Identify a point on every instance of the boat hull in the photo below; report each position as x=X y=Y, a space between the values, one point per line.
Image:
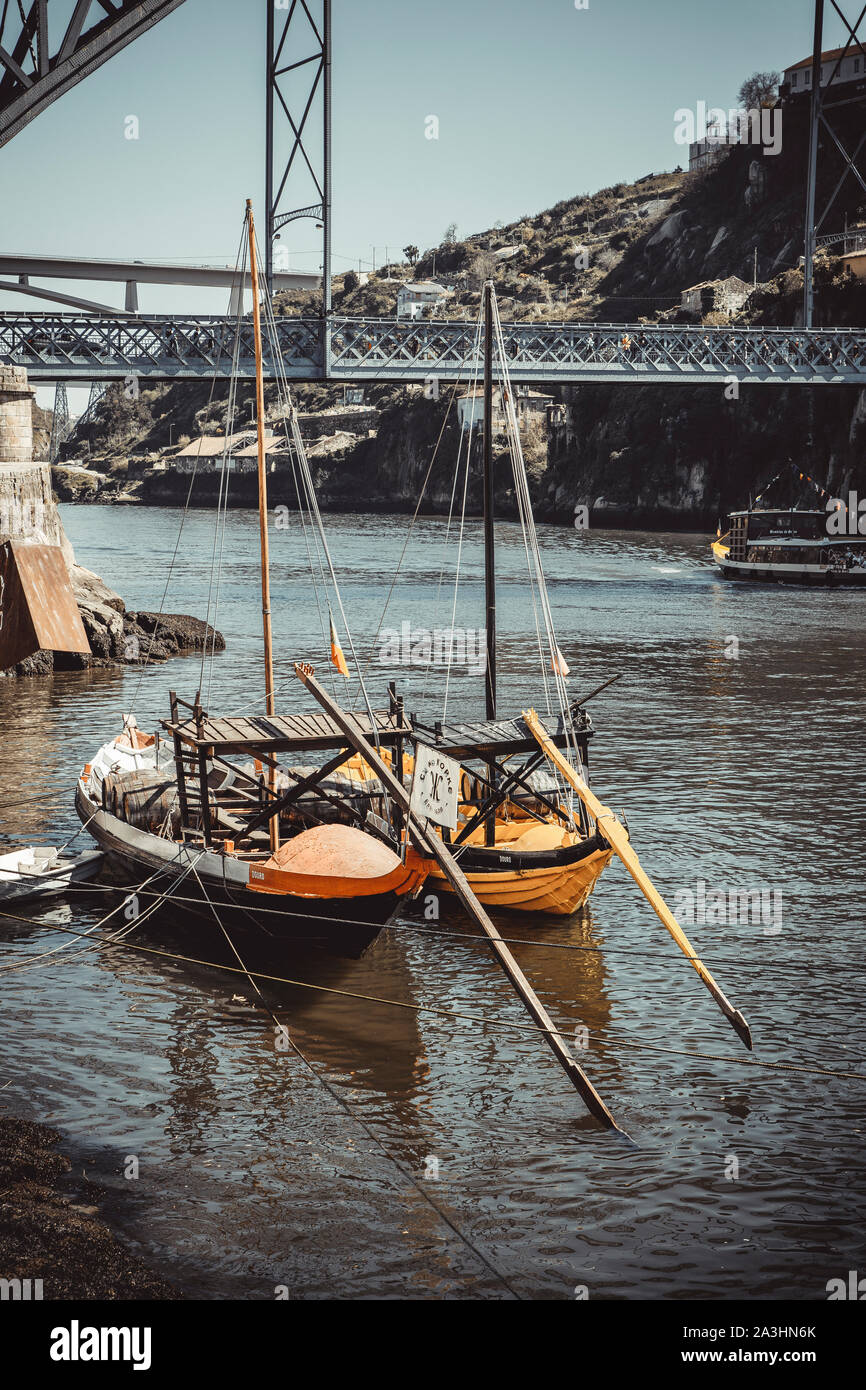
x=817 y=575
x=779 y=572
x=51 y=884
x=215 y=888
x=558 y=882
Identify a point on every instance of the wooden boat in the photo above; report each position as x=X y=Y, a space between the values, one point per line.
x=218 y=838
x=43 y=872
x=541 y=858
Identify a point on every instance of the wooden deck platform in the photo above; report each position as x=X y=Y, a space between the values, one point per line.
x=287 y=733
x=499 y=738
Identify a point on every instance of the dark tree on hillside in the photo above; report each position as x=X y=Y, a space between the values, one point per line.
x=759 y=88
x=484 y=267
x=411 y=253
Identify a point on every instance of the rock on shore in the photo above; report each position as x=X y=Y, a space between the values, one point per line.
x=118 y=636
x=46 y=1234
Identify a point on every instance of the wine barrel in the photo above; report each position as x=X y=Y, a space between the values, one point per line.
x=144 y=798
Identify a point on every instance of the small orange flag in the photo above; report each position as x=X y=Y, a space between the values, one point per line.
x=558 y=664
x=337 y=658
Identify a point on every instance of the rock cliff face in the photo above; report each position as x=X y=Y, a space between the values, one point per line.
x=681 y=458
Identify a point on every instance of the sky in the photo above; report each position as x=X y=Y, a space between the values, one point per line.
x=536 y=101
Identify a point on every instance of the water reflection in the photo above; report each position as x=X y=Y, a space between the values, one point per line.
x=737 y=772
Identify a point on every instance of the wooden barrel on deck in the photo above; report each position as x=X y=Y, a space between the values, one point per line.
x=146 y=799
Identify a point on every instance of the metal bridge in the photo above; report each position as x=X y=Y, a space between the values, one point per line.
x=70 y=347
x=39 y=63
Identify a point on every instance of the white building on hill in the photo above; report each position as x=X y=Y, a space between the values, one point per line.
x=415 y=295
x=852 y=68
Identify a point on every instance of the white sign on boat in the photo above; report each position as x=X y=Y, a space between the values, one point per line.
x=435 y=786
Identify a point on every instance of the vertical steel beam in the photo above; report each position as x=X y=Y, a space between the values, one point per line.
x=298 y=44
x=812 y=171
x=270 y=230
x=326 y=187
x=60 y=423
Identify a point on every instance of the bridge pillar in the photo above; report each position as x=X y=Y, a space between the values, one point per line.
x=16 y=416
x=131 y=304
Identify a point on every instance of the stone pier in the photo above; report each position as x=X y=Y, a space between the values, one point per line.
x=28 y=512
x=27 y=507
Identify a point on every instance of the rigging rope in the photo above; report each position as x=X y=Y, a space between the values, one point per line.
x=183 y=518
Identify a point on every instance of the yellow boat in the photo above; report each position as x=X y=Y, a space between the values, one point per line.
x=521 y=876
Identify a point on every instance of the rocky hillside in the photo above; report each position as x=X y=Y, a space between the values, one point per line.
x=636 y=455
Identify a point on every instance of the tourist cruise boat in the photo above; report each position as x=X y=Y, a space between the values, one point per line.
x=791 y=546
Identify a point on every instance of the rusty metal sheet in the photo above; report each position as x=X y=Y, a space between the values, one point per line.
x=38 y=611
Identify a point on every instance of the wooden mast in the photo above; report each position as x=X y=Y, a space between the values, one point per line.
x=263 y=505
x=489 y=552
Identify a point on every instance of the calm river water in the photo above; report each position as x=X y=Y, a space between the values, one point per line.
x=739 y=764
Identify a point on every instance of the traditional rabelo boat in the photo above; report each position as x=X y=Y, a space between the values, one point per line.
x=217 y=836
x=793 y=545
x=321 y=855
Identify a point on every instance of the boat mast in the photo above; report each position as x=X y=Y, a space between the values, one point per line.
x=263 y=500
x=489 y=555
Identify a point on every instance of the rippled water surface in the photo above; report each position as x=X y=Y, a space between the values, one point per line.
x=739 y=763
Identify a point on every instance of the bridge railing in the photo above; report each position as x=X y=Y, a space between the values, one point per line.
x=164 y=347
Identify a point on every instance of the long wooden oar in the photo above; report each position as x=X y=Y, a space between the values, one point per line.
x=617 y=837
x=432 y=845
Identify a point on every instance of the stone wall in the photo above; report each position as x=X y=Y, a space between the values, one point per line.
x=16 y=416
x=28 y=510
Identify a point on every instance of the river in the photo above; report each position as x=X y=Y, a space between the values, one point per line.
x=733 y=740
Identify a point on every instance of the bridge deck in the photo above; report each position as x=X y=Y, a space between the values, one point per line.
x=69 y=347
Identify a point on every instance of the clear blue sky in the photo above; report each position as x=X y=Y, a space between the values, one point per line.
x=536 y=101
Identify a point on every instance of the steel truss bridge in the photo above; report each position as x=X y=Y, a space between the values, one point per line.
x=79 y=347
x=40 y=61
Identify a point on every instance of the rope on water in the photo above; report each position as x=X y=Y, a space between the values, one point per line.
x=462 y=937
x=37 y=962
x=358 y=1120
x=569 y=1024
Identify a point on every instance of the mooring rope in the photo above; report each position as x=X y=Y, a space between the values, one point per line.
x=505 y=1026
x=350 y=1111
x=463 y=938
x=36 y=962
